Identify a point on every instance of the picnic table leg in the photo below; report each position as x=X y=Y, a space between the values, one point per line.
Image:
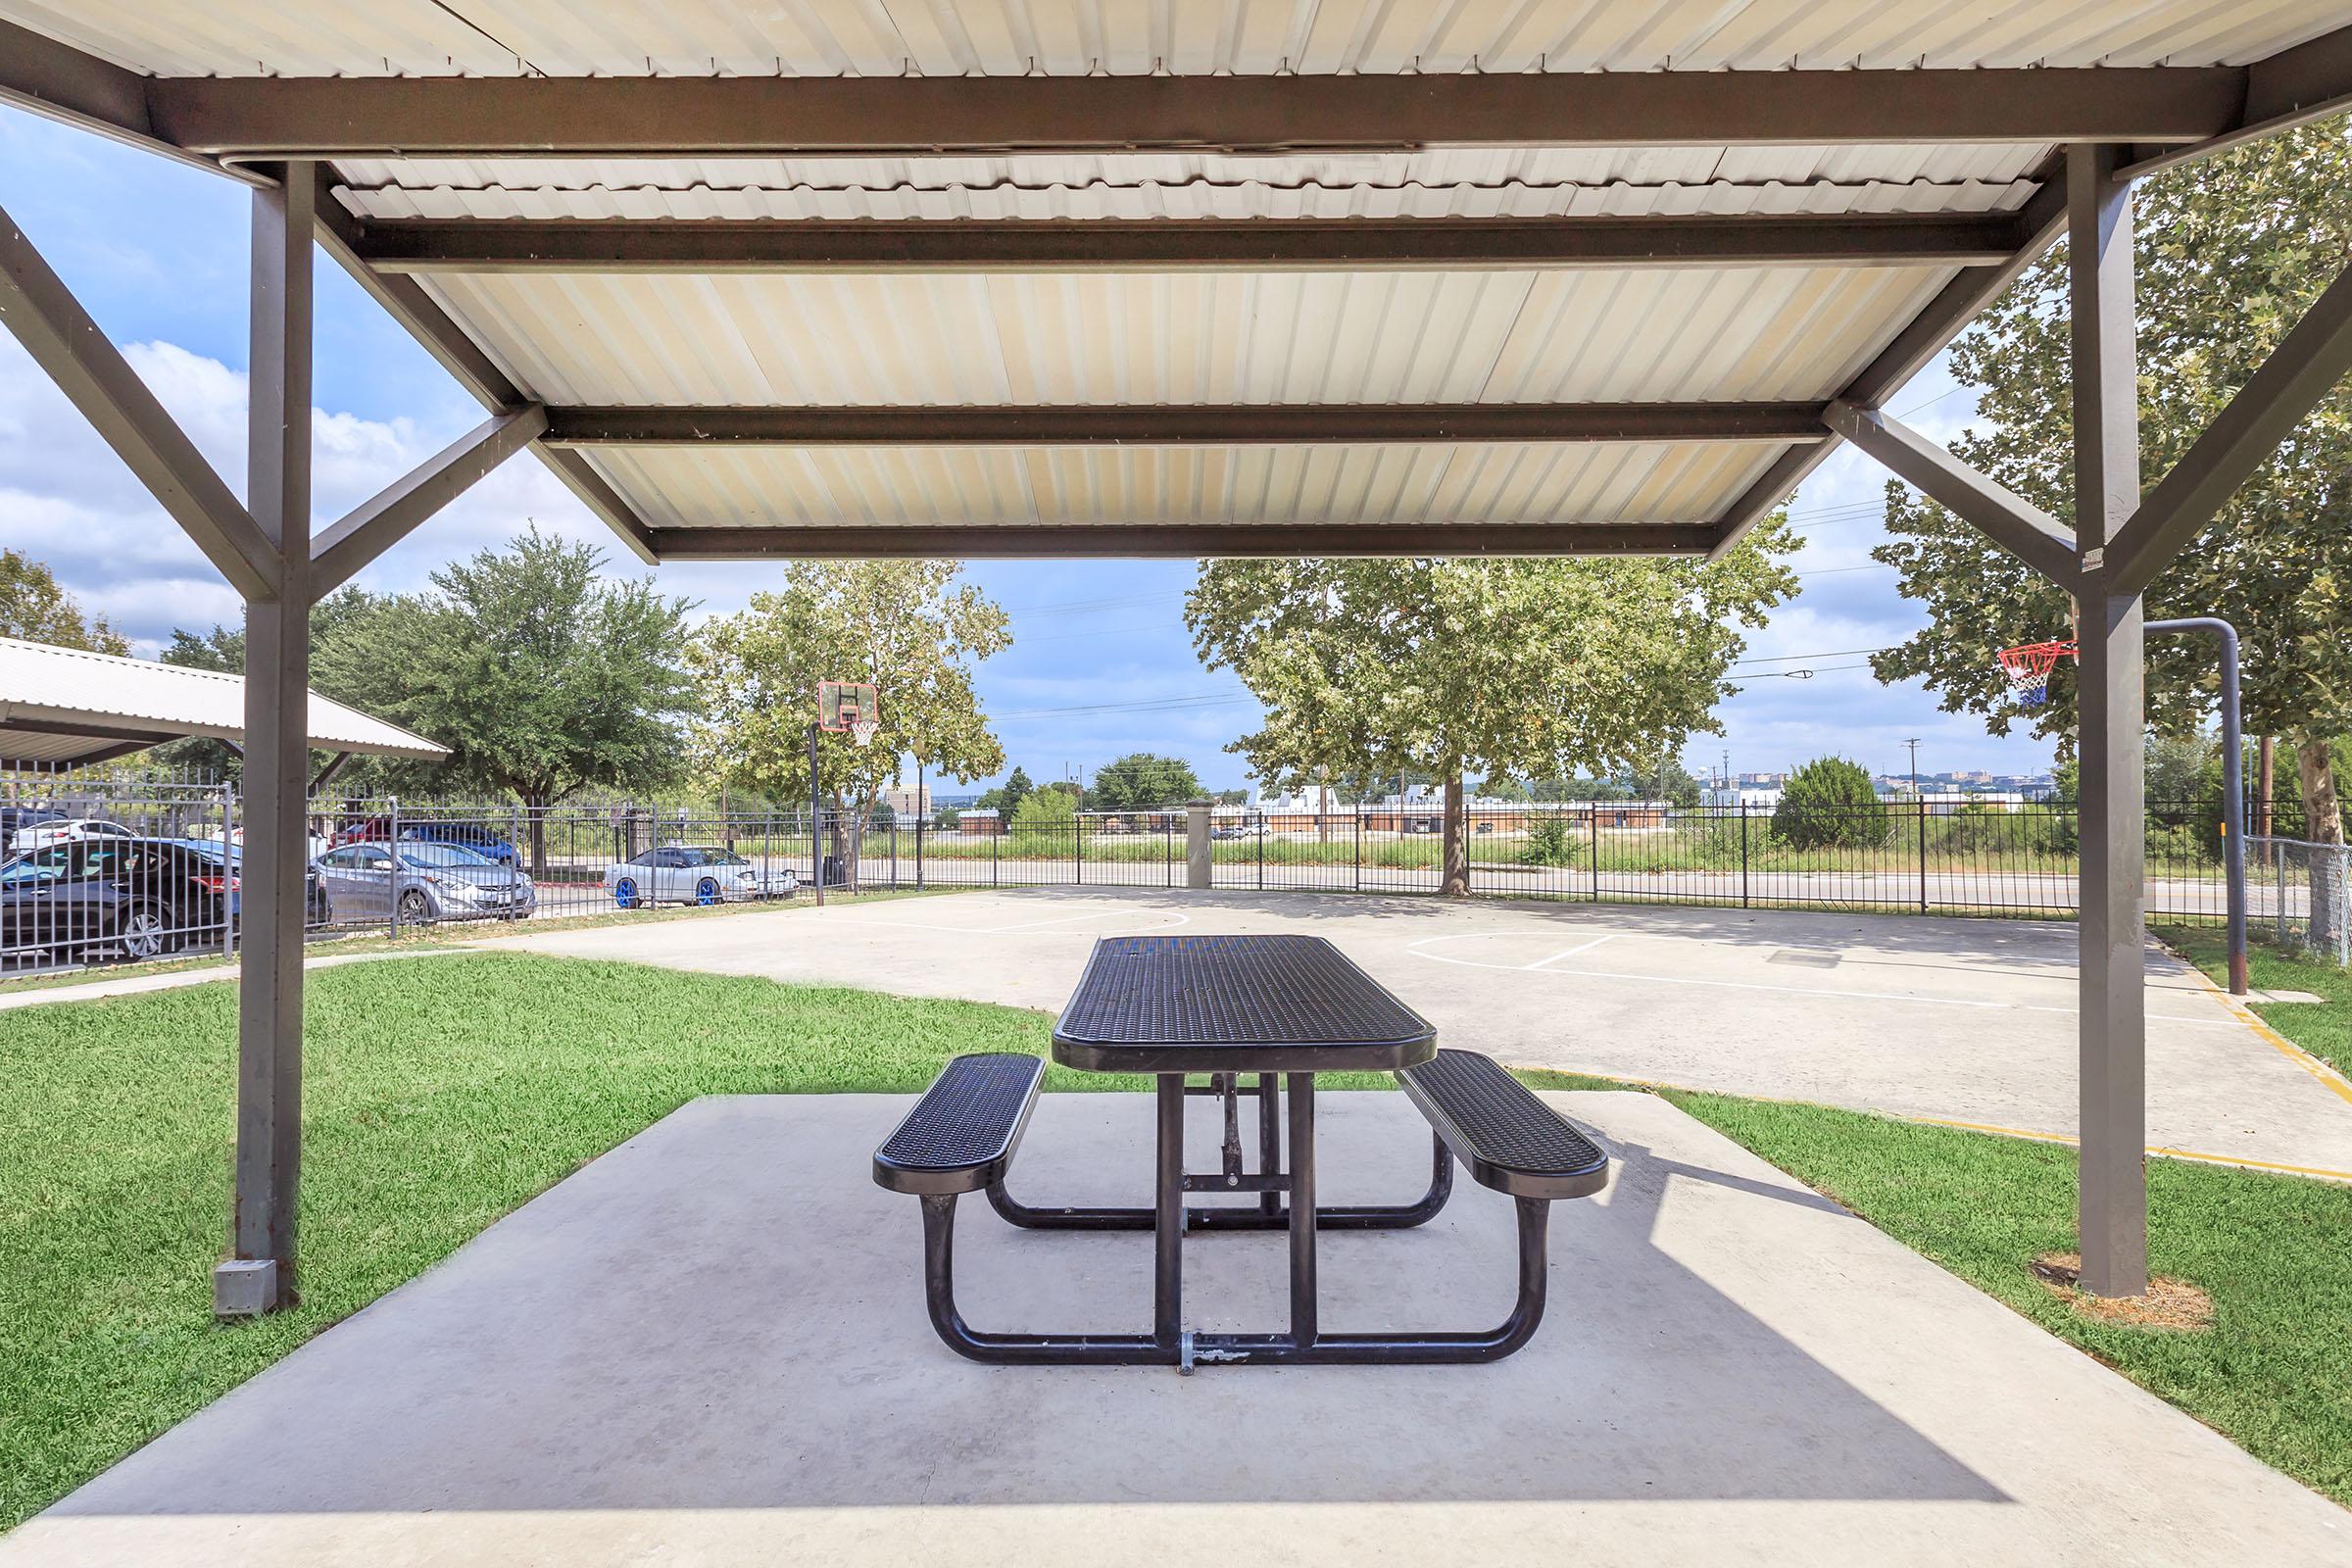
x=1302 y=1209
x=1269 y=1139
x=1167 y=1220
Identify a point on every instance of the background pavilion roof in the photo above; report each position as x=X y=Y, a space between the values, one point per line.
x=1033 y=277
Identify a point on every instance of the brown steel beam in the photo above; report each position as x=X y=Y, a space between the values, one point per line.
x=2111 y=719
x=61 y=82
x=389 y=117
x=1929 y=334
x=394 y=513
x=789 y=245
x=409 y=303
x=2290 y=88
x=2304 y=368
x=259 y=1274
x=1179 y=540
x=2013 y=523
x=37 y=306
x=1183 y=424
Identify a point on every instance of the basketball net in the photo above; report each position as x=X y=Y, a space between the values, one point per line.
x=863 y=730
x=2027 y=669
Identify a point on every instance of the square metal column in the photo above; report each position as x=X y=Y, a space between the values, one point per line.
x=259 y=1274
x=2113 y=1195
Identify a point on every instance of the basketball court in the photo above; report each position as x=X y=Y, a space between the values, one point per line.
x=1965 y=1021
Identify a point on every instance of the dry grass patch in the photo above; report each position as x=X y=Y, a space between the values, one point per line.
x=2173 y=1305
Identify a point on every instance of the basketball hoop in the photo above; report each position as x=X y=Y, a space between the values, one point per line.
x=849 y=708
x=2027 y=669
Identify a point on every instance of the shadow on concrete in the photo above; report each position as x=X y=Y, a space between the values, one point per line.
x=727 y=1314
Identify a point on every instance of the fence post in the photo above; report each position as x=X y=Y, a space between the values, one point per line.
x=515 y=865
x=233 y=868
x=392 y=821
x=1923 y=855
x=1593 y=827
x=1197 y=863
x=1359 y=846
x=996 y=843
x=1744 y=854
x=1078 y=838
x=922 y=820
x=1261 y=851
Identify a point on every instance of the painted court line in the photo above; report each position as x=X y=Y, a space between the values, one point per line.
x=1569 y=953
x=2277 y=1042
x=2169 y=1153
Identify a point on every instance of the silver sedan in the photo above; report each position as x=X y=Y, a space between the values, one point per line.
x=424 y=882
x=678 y=873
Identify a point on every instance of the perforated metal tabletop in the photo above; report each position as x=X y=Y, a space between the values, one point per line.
x=1234 y=1004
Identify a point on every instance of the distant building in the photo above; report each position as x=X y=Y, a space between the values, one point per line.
x=914 y=802
x=980 y=819
x=1751 y=797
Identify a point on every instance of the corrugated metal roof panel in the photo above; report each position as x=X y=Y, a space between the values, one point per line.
x=1539 y=482
x=1522 y=184
x=1587 y=335
x=1188 y=37
x=53 y=685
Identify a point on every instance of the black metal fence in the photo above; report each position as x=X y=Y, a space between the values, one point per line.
x=108 y=868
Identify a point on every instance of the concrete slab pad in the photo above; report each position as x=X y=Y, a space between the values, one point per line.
x=1969 y=1021
x=710 y=1348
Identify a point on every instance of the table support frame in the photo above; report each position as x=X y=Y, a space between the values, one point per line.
x=1169 y=1218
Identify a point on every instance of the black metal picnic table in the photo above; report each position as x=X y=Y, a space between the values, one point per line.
x=1281 y=1008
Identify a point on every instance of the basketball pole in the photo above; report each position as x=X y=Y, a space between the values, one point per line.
x=2233 y=784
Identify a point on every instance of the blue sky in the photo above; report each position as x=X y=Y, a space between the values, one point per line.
x=1100 y=663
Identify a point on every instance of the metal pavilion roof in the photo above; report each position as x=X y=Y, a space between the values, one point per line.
x=1138 y=276
x=62 y=706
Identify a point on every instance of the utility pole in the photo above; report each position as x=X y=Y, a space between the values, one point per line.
x=1913 y=743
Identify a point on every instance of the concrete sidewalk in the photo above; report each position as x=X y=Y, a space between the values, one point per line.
x=710 y=1348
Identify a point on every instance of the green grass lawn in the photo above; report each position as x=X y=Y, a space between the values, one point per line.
x=429 y=1114
x=2323 y=1029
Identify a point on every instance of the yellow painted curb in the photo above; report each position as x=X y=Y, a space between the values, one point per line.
x=2197 y=1156
x=2273 y=1038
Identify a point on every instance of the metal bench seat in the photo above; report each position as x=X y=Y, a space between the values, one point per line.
x=1503 y=1134
x=961 y=1136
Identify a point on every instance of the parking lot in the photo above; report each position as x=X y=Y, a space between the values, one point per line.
x=1969 y=1021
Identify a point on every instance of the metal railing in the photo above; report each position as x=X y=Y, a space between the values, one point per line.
x=380 y=864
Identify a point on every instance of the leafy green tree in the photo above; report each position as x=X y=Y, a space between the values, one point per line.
x=1231 y=798
x=908 y=626
x=1527 y=669
x=1046 y=810
x=34 y=606
x=540 y=675
x=1006 y=797
x=2234 y=248
x=1829 y=803
x=224 y=649
x=1143 y=781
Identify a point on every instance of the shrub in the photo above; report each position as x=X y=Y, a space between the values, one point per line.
x=1829 y=803
x=1547 y=843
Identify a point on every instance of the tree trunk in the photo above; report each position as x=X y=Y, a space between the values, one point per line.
x=1456 y=842
x=536 y=810
x=2266 y=781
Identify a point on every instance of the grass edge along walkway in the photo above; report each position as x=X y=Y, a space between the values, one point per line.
x=429 y=1115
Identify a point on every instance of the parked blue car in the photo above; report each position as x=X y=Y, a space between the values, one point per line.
x=473 y=835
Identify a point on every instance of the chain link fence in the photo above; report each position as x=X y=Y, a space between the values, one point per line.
x=2302 y=892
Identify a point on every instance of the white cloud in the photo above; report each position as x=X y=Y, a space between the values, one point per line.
x=66 y=500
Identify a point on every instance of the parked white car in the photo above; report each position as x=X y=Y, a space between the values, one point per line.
x=67 y=830
x=678 y=873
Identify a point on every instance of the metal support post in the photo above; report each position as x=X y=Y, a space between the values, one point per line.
x=2113 y=1021
x=816 y=839
x=259 y=1275
x=1922 y=803
x=2233 y=784
x=1304 y=1324
x=1167 y=1274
